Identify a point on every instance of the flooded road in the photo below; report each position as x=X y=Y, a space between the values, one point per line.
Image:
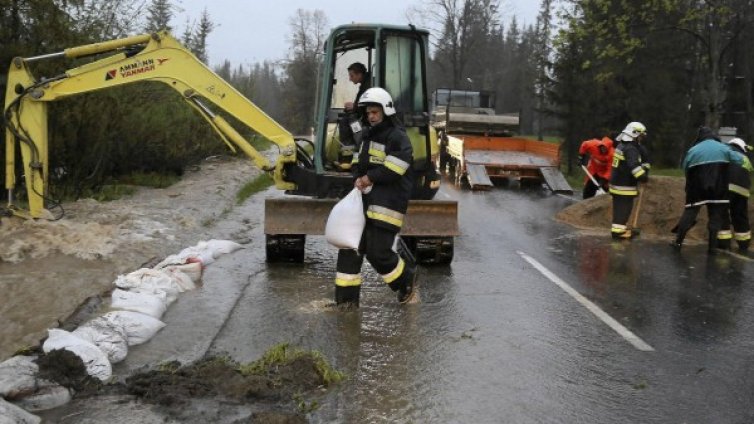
x=494 y=338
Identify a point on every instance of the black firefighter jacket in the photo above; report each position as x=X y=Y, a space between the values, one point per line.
x=386 y=157
x=629 y=167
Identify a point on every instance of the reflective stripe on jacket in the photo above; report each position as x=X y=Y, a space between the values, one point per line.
x=386 y=157
x=739 y=179
x=628 y=170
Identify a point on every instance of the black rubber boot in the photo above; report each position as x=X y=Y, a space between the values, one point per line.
x=405 y=285
x=743 y=245
x=347 y=297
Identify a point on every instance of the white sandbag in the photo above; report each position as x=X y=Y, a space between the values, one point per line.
x=12 y=414
x=222 y=247
x=139 y=327
x=346 y=222
x=193 y=270
x=49 y=395
x=18 y=376
x=151 y=304
x=109 y=337
x=181 y=279
x=96 y=362
x=191 y=254
x=146 y=280
x=204 y=251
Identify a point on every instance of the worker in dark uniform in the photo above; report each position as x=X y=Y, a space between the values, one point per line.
x=350 y=122
x=739 y=186
x=628 y=169
x=383 y=173
x=706 y=166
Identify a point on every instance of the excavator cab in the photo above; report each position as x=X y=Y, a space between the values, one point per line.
x=395 y=59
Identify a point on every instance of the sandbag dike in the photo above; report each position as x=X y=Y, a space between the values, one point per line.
x=281 y=387
x=661 y=206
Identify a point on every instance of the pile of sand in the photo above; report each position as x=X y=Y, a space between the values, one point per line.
x=660 y=208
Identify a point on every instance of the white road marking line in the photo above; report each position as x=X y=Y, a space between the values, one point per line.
x=607 y=319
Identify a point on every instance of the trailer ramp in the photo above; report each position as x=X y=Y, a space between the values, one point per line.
x=477 y=177
x=555 y=180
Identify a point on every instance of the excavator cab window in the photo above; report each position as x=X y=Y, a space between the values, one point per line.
x=395 y=59
x=356 y=46
x=404 y=80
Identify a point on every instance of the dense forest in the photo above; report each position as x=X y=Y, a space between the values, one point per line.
x=583 y=68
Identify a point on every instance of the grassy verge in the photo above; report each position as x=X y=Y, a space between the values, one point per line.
x=254 y=186
x=548 y=138
x=283 y=354
x=150 y=179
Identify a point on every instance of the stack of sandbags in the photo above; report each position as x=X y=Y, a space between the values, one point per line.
x=138 y=302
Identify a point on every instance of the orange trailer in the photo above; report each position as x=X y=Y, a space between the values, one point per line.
x=478 y=159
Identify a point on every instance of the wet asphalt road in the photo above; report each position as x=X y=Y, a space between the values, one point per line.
x=494 y=340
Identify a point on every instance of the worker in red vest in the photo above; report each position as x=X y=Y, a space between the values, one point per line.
x=597 y=156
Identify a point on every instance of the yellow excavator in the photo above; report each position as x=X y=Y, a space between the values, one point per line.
x=395 y=57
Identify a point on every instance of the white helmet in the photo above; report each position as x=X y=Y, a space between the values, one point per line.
x=633 y=130
x=377 y=95
x=740 y=143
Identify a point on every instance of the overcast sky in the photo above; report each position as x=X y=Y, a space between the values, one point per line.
x=257 y=30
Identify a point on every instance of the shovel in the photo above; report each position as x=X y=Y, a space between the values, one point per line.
x=594 y=181
x=634 y=230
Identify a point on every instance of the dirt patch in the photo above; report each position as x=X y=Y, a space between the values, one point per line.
x=661 y=206
x=67 y=369
x=281 y=387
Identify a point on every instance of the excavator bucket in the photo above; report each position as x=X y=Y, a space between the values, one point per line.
x=425 y=218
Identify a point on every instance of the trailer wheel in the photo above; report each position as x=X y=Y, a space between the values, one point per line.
x=285 y=247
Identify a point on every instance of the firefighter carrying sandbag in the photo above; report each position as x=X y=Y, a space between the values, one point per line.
x=383 y=172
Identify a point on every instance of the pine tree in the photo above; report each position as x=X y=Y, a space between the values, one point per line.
x=160 y=13
x=199 y=38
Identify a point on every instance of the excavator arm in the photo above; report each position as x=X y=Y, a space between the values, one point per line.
x=150 y=57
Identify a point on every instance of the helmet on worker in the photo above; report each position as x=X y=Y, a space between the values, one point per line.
x=378 y=96
x=632 y=131
x=740 y=143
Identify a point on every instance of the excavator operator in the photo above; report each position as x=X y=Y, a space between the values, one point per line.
x=597 y=156
x=350 y=121
x=382 y=171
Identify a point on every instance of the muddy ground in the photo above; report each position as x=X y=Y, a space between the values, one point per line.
x=281 y=387
x=659 y=209
x=58 y=274
x=48 y=270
